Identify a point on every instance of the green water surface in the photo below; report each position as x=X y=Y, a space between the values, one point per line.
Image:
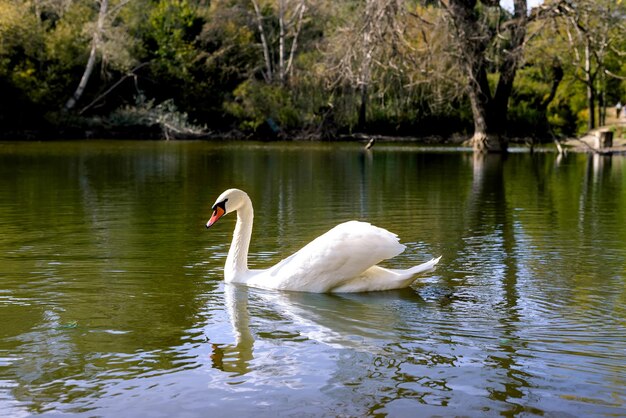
x=112 y=302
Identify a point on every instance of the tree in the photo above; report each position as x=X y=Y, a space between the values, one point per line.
x=593 y=30
x=107 y=41
x=290 y=19
x=369 y=43
x=487 y=39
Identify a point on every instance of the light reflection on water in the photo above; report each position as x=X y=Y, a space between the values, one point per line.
x=112 y=300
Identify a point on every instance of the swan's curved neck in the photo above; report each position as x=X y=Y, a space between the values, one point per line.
x=237 y=260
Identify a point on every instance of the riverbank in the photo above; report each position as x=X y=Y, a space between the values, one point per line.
x=588 y=143
x=593 y=141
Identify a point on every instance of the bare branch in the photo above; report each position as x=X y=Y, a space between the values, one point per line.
x=612 y=74
x=294 y=44
x=131 y=73
x=266 y=52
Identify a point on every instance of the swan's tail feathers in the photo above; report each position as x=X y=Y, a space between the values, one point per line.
x=380 y=278
x=429 y=265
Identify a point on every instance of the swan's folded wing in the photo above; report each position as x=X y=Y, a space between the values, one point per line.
x=331 y=259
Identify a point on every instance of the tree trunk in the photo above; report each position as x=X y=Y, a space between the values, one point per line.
x=266 y=49
x=279 y=66
x=294 y=43
x=363 y=108
x=485 y=138
x=489 y=111
x=91 y=62
x=365 y=75
x=591 y=94
x=557 y=77
x=281 y=41
x=488 y=134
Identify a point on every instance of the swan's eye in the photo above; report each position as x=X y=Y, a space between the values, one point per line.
x=221 y=205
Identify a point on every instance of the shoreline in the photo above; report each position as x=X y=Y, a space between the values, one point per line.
x=591 y=141
x=587 y=143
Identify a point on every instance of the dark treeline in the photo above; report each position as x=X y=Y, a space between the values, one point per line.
x=315 y=69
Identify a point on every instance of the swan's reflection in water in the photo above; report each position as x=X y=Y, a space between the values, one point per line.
x=235 y=357
x=361 y=353
x=359 y=322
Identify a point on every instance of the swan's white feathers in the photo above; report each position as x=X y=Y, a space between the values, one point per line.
x=379 y=278
x=330 y=260
x=341 y=260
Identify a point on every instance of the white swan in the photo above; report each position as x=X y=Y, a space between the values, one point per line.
x=342 y=260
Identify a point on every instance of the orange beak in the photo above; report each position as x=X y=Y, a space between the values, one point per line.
x=218 y=212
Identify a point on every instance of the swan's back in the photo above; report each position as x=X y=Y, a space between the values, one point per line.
x=332 y=259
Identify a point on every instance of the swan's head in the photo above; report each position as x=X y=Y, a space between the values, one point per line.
x=227 y=202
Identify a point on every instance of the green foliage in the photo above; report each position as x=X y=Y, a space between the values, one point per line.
x=172 y=27
x=21 y=43
x=528 y=114
x=526 y=120
x=561 y=119
x=20 y=32
x=255 y=102
x=68 y=40
x=206 y=57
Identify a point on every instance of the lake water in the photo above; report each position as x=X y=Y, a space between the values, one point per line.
x=112 y=301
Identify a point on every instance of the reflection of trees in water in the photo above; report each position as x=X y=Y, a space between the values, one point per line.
x=105 y=257
x=329 y=185
x=491 y=217
x=67 y=365
x=517 y=258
